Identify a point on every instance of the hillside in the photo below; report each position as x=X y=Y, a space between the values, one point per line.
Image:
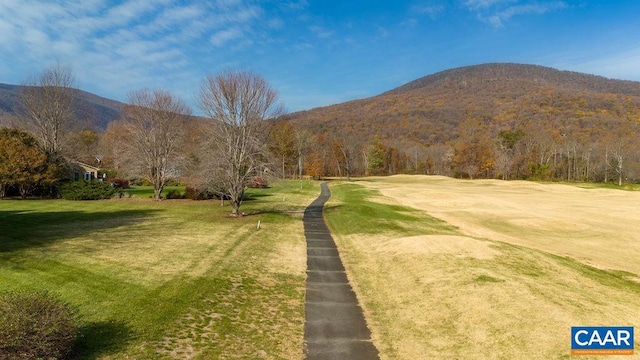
x=492 y=120
x=430 y=109
x=94 y=110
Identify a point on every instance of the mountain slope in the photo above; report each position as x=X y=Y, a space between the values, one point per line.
x=504 y=73
x=500 y=96
x=96 y=112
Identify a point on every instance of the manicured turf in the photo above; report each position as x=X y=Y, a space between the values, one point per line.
x=170 y=279
x=432 y=291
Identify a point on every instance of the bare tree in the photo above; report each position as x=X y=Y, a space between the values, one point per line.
x=237 y=103
x=621 y=145
x=47 y=106
x=281 y=142
x=346 y=148
x=303 y=143
x=154 y=121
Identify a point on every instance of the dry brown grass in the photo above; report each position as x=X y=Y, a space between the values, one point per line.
x=511 y=285
x=560 y=219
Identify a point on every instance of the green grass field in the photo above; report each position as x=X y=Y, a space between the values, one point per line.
x=170 y=279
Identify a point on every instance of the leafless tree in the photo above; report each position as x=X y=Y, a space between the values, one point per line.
x=47 y=107
x=154 y=121
x=346 y=148
x=303 y=143
x=237 y=103
x=621 y=145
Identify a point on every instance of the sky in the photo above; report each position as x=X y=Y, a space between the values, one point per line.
x=313 y=52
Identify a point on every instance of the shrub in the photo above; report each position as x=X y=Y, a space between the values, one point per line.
x=259 y=183
x=174 y=194
x=197 y=194
x=35 y=325
x=119 y=183
x=86 y=190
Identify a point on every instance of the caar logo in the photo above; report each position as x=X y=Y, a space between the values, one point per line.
x=602 y=340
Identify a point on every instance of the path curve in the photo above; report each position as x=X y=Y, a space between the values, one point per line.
x=334 y=323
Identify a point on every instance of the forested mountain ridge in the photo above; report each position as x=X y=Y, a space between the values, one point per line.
x=436 y=124
x=428 y=110
x=569 y=80
x=94 y=111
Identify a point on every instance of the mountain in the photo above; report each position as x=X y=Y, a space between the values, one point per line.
x=95 y=111
x=430 y=110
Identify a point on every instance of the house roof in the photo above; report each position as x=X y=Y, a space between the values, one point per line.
x=86 y=166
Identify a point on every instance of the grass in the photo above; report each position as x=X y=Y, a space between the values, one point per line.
x=170 y=279
x=144 y=192
x=611 y=185
x=430 y=290
x=351 y=212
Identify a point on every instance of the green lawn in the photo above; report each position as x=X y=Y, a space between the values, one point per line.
x=170 y=279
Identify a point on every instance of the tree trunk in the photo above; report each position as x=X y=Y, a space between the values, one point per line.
x=157 y=193
x=620 y=172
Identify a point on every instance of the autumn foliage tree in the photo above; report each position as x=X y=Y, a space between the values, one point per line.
x=23 y=163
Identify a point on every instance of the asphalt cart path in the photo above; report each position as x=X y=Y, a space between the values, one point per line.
x=334 y=323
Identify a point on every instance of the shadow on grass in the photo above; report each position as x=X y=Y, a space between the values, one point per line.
x=25 y=229
x=100 y=338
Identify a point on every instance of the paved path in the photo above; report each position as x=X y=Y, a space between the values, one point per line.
x=334 y=324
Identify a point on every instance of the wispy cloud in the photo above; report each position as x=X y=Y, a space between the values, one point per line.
x=499 y=12
x=222 y=37
x=113 y=45
x=321 y=32
x=432 y=11
x=484 y=4
x=621 y=64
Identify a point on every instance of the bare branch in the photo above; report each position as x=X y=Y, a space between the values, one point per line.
x=237 y=103
x=47 y=107
x=155 y=122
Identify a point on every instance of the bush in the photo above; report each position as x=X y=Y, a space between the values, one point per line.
x=86 y=190
x=174 y=194
x=119 y=183
x=259 y=183
x=35 y=325
x=197 y=194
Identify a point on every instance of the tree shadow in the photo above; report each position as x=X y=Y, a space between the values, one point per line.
x=25 y=229
x=254 y=196
x=101 y=338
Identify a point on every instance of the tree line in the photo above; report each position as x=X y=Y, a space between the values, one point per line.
x=550 y=151
x=244 y=135
x=155 y=139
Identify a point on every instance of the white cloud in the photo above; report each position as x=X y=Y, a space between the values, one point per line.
x=321 y=32
x=118 y=46
x=500 y=17
x=483 y=4
x=618 y=65
x=431 y=11
x=498 y=12
x=222 y=37
x=276 y=23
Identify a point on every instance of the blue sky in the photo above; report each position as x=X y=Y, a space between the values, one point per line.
x=314 y=52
